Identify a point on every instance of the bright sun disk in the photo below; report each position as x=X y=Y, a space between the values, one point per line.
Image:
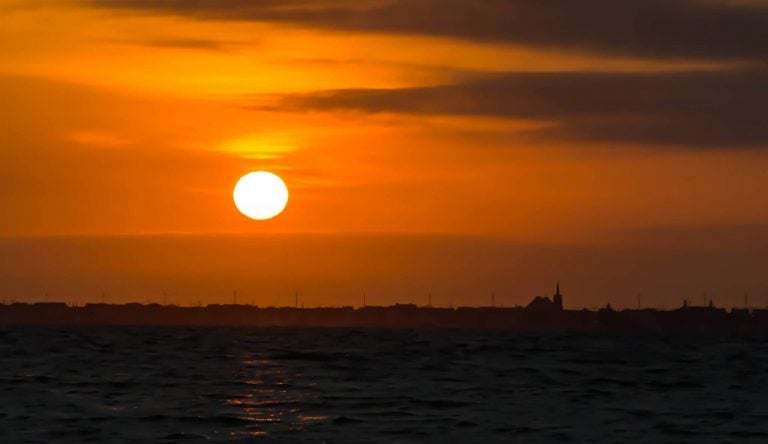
x=260 y=195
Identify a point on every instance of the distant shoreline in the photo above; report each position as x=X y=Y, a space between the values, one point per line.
x=686 y=318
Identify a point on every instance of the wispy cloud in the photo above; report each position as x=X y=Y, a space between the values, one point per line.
x=189 y=43
x=96 y=138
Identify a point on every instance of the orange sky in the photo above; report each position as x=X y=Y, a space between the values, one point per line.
x=137 y=118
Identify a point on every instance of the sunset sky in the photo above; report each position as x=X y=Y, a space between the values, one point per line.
x=457 y=147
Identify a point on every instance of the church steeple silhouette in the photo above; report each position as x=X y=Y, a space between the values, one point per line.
x=557 y=299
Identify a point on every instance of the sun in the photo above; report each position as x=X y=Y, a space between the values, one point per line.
x=260 y=195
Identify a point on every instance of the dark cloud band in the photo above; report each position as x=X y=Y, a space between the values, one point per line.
x=686 y=29
x=701 y=108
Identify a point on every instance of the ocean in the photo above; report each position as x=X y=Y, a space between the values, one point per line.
x=357 y=386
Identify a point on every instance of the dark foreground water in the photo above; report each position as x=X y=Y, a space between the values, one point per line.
x=315 y=385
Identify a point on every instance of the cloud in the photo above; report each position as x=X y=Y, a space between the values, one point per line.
x=184 y=43
x=700 y=108
x=97 y=139
x=687 y=29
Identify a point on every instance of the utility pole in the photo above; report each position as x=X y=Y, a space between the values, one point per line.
x=364 y=299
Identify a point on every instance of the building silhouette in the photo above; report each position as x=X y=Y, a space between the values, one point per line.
x=557 y=299
x=543 y=304
x=541 y=314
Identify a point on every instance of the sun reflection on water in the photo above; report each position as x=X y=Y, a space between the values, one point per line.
x=272 y=399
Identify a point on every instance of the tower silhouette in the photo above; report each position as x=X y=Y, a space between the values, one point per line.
x=557 y=299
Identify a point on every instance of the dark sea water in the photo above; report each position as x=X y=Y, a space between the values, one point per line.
x=325 y=385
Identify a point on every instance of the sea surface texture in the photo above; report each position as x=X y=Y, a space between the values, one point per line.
x=326 y=385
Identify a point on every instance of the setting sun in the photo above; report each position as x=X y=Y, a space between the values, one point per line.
x=450 y=164
x=260 y=195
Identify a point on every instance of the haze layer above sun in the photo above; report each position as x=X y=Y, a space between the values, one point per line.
x=260 y=195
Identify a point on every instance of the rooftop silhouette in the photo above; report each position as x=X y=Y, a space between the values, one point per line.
x=541 y=314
